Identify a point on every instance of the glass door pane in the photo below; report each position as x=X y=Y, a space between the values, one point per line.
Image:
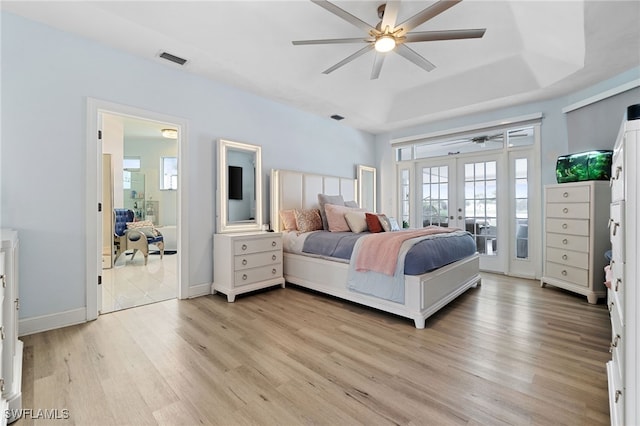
x=435 y=195
x=480 y=198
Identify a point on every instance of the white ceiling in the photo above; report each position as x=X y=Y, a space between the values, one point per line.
x=532 y=50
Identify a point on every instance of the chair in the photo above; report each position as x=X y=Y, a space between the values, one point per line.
x=136 y=239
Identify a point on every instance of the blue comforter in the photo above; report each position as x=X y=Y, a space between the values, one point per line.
x=427 y=255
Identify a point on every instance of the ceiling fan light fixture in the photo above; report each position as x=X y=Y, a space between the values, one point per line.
x=385 y=43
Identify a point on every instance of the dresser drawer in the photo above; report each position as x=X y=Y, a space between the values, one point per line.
x=568 y=242
x=617 y=174
x=250 y=276
x=568 y=194
x=254 y=260
x=256 y=245
x=568 y=210
x=573 y=275
x=618 y=286
x=567 y=257
x=568 y=226
x=617 y=228
x=616 y=347
x=616 y=395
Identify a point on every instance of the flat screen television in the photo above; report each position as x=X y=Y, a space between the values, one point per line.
x=235 y=183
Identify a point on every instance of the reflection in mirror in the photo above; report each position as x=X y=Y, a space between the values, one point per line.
x=239 y=186
x=367 y=188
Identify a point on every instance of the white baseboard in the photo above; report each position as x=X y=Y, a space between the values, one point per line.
x=34 y=325
x=199 y=290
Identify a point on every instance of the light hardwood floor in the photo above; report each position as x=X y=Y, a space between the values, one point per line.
x=507 y=352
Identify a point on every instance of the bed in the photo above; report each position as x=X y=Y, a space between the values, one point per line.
x=420 y=295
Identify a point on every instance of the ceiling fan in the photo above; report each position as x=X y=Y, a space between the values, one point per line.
x=483 y=139
x=389 y=36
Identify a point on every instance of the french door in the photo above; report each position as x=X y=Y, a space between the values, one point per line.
x=468 y=193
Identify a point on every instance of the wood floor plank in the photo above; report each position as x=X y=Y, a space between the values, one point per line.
x=507 y=352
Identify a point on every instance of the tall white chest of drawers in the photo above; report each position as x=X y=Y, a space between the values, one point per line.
x=576 y=219
x=244 y=262
x=11 y=345
x=623 y=295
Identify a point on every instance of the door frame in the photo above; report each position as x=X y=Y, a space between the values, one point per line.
x=93 y=176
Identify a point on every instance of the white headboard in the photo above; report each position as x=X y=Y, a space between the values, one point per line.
x=298 y=190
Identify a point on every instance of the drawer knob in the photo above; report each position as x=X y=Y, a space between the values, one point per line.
x=274 y=257
x=2 y=336
x=565 y=194
x=565 y=226
x=618 y=393
x=273 y=244
x=610 y=306
x=244 y=247
x=273 y=271
x=565 y=257
x=244 y=277
x=565 y=241
x=564 y=272
x=618 y=171
x=618 y=282
x=244 y=261
x=565 y=210
x=615 y=228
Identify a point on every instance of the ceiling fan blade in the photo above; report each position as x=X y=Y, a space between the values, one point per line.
x=414 y=57
x=343 y=14
x=334 y=41
x=426 y=14
x=348 y=59
x=444 y=35
x=390 y=15
x=377 y=65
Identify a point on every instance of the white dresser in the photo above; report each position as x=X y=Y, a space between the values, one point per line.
x=11 y=346
x=575 y=238
x=623 y=296
x=244 y=262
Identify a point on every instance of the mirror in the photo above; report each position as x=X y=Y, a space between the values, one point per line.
x=239 y=201
x=367 y=188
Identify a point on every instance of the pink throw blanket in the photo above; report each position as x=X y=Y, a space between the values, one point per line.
x=379 y=252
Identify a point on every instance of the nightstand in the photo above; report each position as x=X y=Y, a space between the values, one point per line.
x=244 y=262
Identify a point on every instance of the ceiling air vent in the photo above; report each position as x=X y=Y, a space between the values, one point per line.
x=337 y=117
x=173 y=58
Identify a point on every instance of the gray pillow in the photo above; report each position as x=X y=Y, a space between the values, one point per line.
x=328 y=199
x=351 y=204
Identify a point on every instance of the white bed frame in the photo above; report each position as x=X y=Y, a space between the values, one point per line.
x=424 y=294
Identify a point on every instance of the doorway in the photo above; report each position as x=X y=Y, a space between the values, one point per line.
x=139 y=176
x=97 y=110
x=464 y=193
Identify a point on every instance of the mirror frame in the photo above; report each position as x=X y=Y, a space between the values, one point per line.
x=222 y=222
x=361 y=171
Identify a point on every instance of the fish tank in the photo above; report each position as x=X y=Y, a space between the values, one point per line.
x=589 y=165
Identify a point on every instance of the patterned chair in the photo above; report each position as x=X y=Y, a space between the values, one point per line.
x=136 y=239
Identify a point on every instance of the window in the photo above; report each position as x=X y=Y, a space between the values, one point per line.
x=169 y=173
x=131 y=163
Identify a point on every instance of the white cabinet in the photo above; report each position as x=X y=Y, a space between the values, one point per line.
x=244 y=262
x=11 y=346
x=623 y=295
x=576 y=218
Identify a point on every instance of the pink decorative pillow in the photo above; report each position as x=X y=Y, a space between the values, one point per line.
x=288 y=220
x=308 y=220
x=335 y=217
x=373 y=222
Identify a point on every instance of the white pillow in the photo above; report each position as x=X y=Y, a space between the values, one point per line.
x=357 y=221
